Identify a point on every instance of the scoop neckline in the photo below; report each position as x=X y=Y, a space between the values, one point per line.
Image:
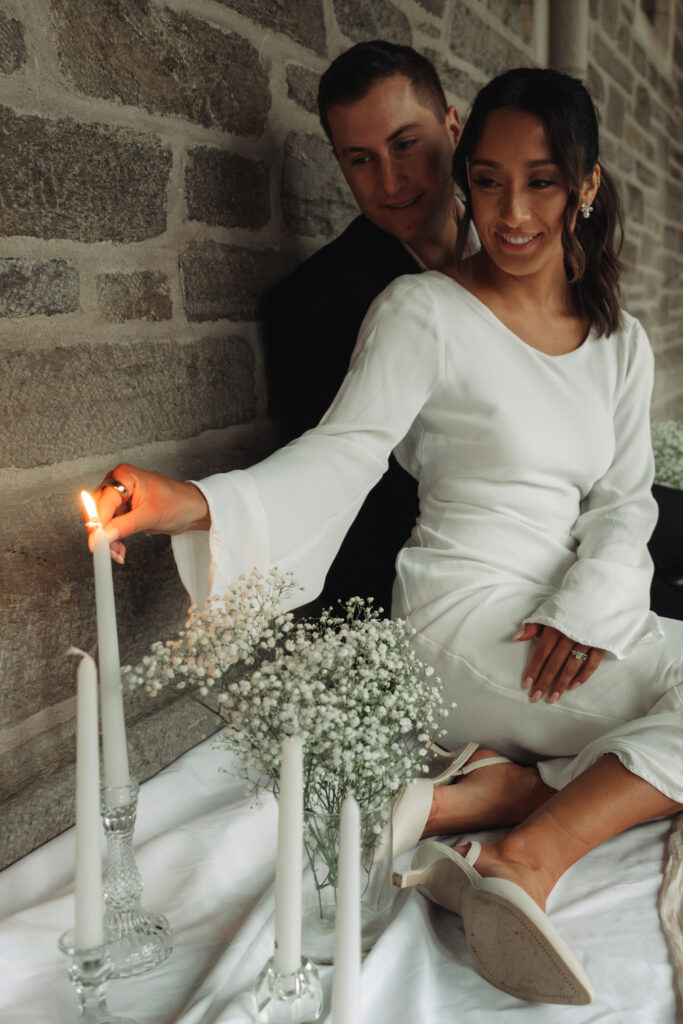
x=488 y=312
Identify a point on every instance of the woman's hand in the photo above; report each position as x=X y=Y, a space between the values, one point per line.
x=557 y=663
x=151 y=503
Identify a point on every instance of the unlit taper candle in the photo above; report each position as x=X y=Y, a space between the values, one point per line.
x=88 y=926
x=287 y=958
x=114 y=748
x=347 y=936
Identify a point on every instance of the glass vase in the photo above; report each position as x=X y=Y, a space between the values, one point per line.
x=319 y=893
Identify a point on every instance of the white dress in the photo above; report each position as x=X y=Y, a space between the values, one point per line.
x=535 y=506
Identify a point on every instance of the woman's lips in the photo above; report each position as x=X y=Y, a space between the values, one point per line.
x=517 y=243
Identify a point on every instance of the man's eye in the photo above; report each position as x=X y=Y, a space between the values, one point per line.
x=405 y=143
x=357 y=161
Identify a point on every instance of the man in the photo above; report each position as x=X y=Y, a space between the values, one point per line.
x=393 y=133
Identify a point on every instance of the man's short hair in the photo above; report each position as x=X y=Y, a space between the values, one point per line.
x=355 y=72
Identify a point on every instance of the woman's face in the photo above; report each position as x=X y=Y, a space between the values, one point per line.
x=519 y=195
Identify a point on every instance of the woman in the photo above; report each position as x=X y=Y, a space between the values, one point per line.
x=517 y=392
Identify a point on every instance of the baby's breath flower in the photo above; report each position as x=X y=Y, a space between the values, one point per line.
x=348 y=682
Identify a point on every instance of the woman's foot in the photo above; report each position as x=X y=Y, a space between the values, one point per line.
x=505 y=859
x=491 y=797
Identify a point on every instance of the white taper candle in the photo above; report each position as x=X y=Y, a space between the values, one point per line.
x=347 y=936
x=114 y=747
x=289 y=865
x=88 y=929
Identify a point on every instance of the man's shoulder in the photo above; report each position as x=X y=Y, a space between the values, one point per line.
x=360 y=249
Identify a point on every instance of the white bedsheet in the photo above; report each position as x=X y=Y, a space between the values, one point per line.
x=207 y=861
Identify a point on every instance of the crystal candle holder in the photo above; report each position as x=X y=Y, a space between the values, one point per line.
x=140 y=939
x=89 y=972
x=295 y=998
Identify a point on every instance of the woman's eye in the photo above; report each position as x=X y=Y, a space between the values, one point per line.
x=485 y=182
x=541 y=183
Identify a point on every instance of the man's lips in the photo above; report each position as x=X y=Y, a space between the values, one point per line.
x=404 y=204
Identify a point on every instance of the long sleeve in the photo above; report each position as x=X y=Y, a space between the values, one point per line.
x=293 y=509
x=604 y=598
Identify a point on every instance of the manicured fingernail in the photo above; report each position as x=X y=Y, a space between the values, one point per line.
x=574 y=686
x=117 y=557
x=528 y=683
x=519 y=635
x=553 y=697
x=111 y=533
x=536 y=696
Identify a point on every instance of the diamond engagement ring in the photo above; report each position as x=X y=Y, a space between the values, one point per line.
x=109 y=481
x=579 y=655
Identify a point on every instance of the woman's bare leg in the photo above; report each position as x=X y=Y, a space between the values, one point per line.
x=491 y=797
x=605 y=800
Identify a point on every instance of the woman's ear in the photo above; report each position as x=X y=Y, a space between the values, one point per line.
x=590 y=187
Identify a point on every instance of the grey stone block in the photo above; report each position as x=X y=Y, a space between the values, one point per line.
x=148 y=56
x=372 y=19
x=28 y=287
x=454 y=80
x=302 y=86
x=315 y=196
x=612 y=64
x=40 y=811
x=616 y=110
x=139 y=295
x=476 y=42
x=300 y=20
x=62 y=179
x=227 y=282
x=433 y=6
x=516 y=15
x=635 y=206
x=596 y=86
x=82 y=399
x=12 y=49
x=227 y=189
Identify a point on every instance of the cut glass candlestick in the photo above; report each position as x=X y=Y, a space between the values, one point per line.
x=89 y=972
x=140 y=939
x=295 y=998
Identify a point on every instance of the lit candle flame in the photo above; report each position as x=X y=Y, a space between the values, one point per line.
x=90 y=508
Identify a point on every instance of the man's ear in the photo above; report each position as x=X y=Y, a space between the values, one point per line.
x=453 y=124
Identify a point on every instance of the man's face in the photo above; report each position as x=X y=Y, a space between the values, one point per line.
x=396 y=153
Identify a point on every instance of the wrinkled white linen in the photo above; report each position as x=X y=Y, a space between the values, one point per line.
x=207 y=859
x=535 y=476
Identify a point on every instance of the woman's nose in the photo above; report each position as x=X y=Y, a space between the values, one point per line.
x=513 y=209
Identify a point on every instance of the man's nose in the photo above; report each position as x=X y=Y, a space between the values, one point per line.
x=392 y=177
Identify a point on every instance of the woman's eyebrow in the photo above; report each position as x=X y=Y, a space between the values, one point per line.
x=543 y=162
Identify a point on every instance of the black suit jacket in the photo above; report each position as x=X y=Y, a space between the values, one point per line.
x=311 y=323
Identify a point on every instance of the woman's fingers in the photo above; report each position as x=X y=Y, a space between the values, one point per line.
x=131 y=500
x=557 y=664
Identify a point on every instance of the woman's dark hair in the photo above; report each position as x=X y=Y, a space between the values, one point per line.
x=353 y=74
x=591 y=248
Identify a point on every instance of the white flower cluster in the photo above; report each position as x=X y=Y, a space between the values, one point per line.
x=349 y=685
x=667 y=443
x=239 y=627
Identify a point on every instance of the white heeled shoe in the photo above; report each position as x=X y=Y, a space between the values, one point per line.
x=514 y=945
x=412 y=806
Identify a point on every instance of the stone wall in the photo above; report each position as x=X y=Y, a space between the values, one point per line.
x=161 y=164
x=635 y=72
